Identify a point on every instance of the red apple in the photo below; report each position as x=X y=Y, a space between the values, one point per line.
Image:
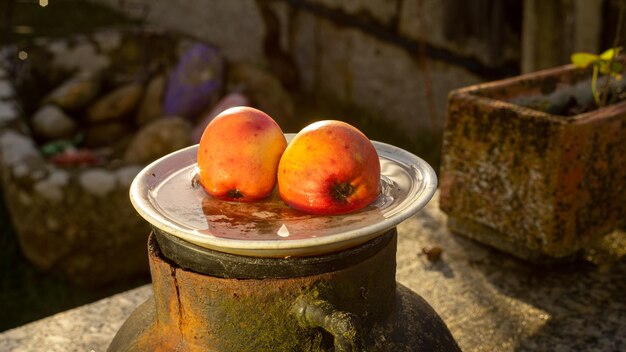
x=239 y=153
x=330 y=167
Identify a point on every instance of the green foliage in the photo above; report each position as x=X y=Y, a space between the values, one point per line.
x=603 y=64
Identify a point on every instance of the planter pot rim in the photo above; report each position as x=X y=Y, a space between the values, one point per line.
x=481 y=93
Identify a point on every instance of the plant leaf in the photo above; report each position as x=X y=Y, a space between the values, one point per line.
x=583 y=60
x=610 y=53
x=603 y=67
x=616 y=68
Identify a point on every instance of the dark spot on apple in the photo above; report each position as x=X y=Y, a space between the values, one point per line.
x=341 y=191
x=234 y=194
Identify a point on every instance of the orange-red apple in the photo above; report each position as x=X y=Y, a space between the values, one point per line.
x=239 y=153
x=330 y=167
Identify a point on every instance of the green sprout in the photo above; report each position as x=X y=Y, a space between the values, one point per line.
x=603 y=64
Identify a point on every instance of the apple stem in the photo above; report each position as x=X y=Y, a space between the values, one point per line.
x=341 y=191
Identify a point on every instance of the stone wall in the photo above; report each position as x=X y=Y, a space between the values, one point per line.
x=68 y=156
x=395 y=59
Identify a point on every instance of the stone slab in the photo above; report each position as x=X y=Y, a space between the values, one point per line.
x=490 y=301
x=87 y=328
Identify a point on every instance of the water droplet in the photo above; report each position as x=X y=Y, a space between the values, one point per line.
x=283 y=231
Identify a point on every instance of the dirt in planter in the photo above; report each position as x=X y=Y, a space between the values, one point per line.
x=573 y=108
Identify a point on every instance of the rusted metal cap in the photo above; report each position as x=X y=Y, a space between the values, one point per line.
x=165 y=194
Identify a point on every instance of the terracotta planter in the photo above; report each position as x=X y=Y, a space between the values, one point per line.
x=520 y=176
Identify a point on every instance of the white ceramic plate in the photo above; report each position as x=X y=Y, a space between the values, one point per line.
x=164 y=194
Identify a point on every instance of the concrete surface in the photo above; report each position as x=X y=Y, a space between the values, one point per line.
x=490 y=301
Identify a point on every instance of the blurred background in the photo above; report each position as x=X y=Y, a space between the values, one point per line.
x=385 y=66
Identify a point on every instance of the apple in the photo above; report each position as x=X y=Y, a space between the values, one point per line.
x=330 y=167
x=238 y=155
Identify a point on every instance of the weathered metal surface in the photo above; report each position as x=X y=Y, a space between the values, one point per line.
x=360 y=305
x=210 y=262
x=532 y=183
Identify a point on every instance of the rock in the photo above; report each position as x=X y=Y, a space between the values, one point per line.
x=104 y=134
x=117 y=104
x=50 y=122
x=157 y=139
x=98 y=182
x=196 y=82
x=32 y=168
x=6 y=89
x=152 y=101
x=76 y=92
x=8 y=112
x=126 y=174
x=108 y=40
x=228 y=101
x=59 y=178
x=51 y=188
x=82 y=55
x=15 y=148
x=265 y=90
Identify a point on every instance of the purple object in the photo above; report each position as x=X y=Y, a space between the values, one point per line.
x=195 y=83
